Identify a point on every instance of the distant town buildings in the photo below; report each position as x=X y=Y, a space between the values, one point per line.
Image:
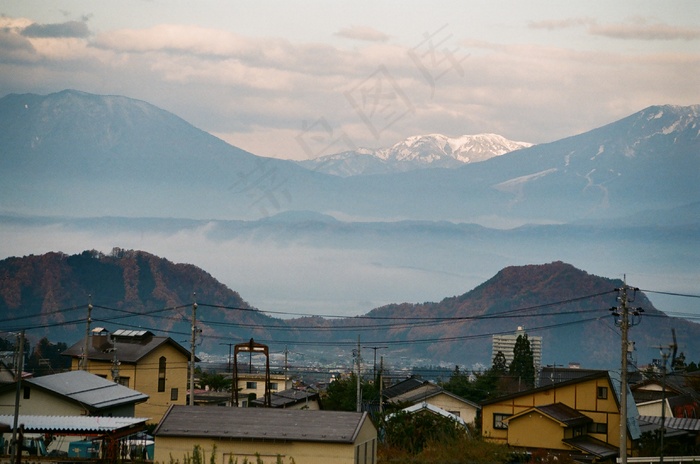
x=506 y=343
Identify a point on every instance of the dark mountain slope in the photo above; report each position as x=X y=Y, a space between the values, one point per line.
x=49 y=294
x=569 y=308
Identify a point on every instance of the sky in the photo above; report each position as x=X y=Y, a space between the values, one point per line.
x=302 y=79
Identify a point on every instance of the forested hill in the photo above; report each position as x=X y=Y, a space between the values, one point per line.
x=49 y=295
x=567 y=307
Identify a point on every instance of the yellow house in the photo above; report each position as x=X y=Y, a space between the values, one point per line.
x=155 y=366
x=269 y=435
x=579 y=417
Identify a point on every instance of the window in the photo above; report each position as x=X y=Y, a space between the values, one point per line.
x=602 y=393
x=251 y=385
x=598 y=427
x=499 y=421
x=161 y=374
x=173 y=394
x=274 y=386
x=124 y=381
x=26 y=393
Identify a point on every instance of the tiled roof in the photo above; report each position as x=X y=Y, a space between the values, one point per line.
x=87 y=424
x=402 y=387
x=593 y=446
x=261 y=424
x=88 y=389
x=288 y=397
x=564 y=414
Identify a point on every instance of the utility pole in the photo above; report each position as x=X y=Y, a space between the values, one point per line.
x=193 y=347
x=664 y=358
x=621 y=313
x=16 y=447
x=381 y=383
x=357 y=354
x=84 y=360
x=374 y=369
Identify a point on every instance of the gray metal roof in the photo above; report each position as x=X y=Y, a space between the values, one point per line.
x=88 y=389
x=129 y=349
x=87 y=424
x=261 y=424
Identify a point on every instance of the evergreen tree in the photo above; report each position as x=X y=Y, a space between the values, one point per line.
x=500 y=365
x=523 y=365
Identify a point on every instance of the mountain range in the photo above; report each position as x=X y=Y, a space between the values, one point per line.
x=110 y=155
x=81 y=171
x=568 y=307
x=417 y=152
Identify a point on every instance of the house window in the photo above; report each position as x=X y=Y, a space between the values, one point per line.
x=26 y=393
x=173 y=394
x=602 y=393
x=456 y=413
x=161 y=374
x=598 y=427
x=251 y=385
x=124 y=381
x=274 y=386
x=499 y=421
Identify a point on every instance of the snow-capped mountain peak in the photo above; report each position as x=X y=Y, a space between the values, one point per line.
x=416 y=152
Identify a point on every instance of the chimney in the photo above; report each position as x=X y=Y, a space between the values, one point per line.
x=100 y=339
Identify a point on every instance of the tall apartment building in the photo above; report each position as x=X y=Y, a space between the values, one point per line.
x=506 y=343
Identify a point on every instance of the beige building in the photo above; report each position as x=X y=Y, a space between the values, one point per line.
x=251 y=385
x=414 y=391
x=76 y=393
x=156 y=366
x=269 y=434
x=506 y=343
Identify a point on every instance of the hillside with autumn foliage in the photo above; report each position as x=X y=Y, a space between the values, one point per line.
x=48 y=295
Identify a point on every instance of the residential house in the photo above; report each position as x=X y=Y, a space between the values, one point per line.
x=579 y=417
x=427 y=408
x=7 y=374
x=679 y=397
x=154 y=365
x=75 y=393
x=251 y=384
x=267 y=435
x=414 y=391
x=293 y=398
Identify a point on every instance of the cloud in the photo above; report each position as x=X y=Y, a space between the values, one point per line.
x=553 y=24
x=638 y=28
x=641 y=30
x=69 y=29
x=367 y=34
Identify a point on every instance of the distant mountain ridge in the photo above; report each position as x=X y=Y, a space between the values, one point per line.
x=76 y=154
x=416 y=152
x=568 y=307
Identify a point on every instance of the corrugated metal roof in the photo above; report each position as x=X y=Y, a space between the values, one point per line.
x=72 y=423
x=679 y=423
x=128 y=349
x=261 y=424
x=88 y=389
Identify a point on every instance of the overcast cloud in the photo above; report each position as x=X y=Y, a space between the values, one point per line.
x=299 y=82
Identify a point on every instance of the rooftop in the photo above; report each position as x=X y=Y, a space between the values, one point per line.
x=261 y=424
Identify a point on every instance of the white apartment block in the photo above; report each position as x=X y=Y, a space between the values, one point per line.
x=506 y=343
